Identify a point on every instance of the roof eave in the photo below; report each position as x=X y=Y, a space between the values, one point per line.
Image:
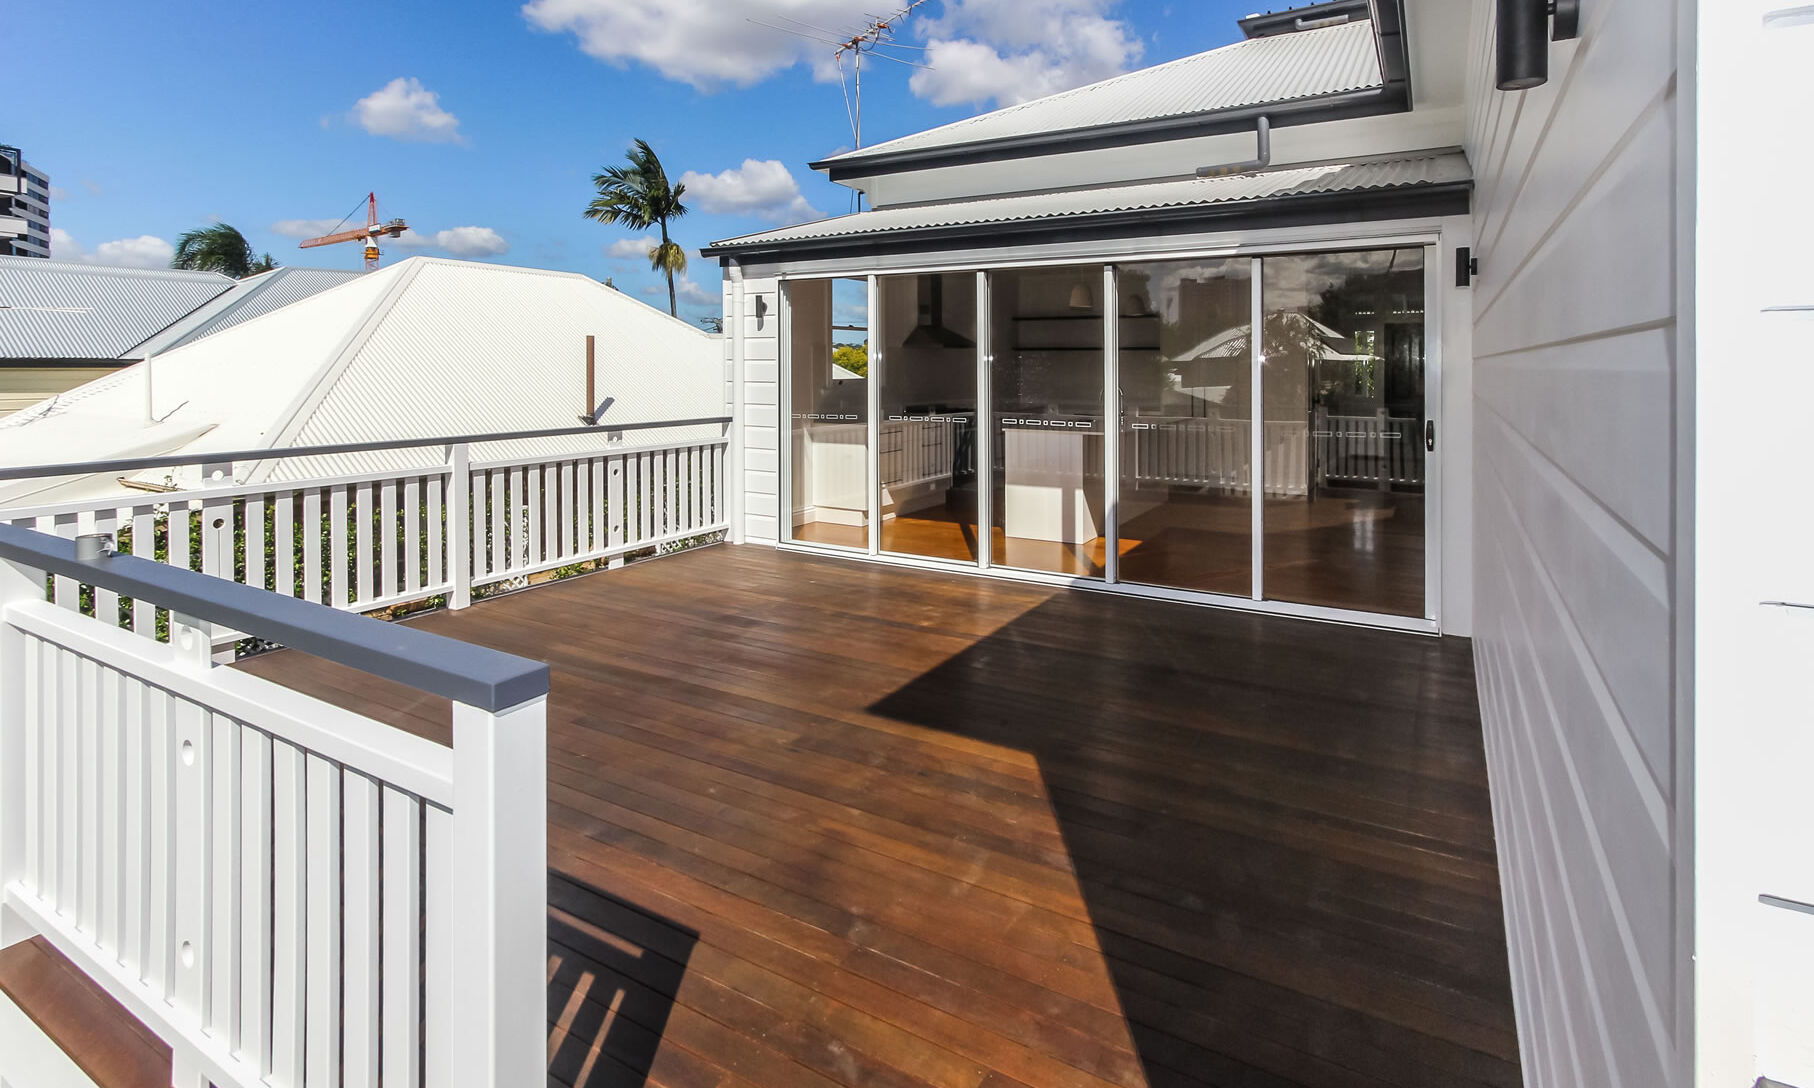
x=1422 y=200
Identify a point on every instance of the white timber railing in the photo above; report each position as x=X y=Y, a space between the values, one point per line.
x=1376 y=451
x=286 y=892
x=374 y=540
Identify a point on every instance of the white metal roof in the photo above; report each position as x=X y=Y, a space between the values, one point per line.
x=60 y=310
x=423 y=349
x=1261 y=71
x=251 y=297
x=1429 y=169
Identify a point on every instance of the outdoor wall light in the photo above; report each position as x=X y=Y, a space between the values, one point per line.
x=1524 y=38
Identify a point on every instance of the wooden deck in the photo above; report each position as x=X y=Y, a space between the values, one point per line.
x=815 y=822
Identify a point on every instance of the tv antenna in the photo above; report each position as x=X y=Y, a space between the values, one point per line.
x=875 y=39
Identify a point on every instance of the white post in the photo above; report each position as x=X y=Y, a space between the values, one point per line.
x=499 y=902
x=218 y=553
x=459 y=527
x=1111 y=427
x=17 y=586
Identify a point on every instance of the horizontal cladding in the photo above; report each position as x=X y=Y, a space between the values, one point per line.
x=1576 y=481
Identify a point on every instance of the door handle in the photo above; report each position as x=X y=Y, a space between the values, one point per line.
x=1429 y=436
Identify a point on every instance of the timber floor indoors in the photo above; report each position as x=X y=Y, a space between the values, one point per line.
x=816 y=823
x=1356 y=550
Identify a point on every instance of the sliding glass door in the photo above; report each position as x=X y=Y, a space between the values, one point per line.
x=926 y=443
x=1186 y=381
x=1345 y=417
x=828 y=401
x=1121 y=423
x=1046 y=421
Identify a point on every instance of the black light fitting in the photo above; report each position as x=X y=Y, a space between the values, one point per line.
x=1524 y=37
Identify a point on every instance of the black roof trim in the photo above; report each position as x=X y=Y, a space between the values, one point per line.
x=1425 y=200
x=1393 y=97
x=1307 y=17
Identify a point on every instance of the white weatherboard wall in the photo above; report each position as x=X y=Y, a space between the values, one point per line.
x=760 y=427
x=1581 y=630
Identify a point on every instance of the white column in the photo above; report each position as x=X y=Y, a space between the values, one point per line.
x=459 y=527
x=1256 y=478
x=18 y=585
x=500 y=901
x=1111 y=427
x=985 y=439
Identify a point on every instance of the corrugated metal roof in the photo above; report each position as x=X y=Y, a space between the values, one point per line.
x=60 y=310
x=1283 y=182
x=422 y=349
x=1262 y=71
x=251 y=297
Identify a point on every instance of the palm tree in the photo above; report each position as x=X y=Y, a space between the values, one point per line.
x=639 y=196
x=264 y=263
x=218 y=248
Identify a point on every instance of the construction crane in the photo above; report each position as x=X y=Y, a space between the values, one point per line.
x=369 y=234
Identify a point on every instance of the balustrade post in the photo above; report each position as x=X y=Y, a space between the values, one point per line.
x=18 y=585
x=499 y=902
x=220 y=554
x=459 y=526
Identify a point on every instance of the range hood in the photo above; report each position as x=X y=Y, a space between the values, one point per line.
x=931 y=330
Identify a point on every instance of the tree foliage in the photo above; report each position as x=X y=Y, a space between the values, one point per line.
x=638 y=195
x=219 y=248
x=852 y=357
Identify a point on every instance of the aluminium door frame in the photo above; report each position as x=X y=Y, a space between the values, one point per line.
x=1429 y=240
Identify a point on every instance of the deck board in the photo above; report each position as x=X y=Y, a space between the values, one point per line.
x=826 y=823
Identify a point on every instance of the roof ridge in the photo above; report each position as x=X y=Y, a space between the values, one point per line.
x=291 y=421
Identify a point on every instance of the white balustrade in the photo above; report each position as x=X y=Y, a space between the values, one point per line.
x=286 y=892
x=376 y=540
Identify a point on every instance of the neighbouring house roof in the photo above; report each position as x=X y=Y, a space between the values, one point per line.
x=959 y=220
x=251 y=297
x=60 y=310
x=1277 y=70
x=426 y=348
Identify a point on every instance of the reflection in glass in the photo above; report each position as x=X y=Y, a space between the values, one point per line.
x=828 y=367
x=1046 y=423
x=1343 y=395
x=927 y=437
x=1186 y=507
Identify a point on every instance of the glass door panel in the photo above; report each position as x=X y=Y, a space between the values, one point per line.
x=828 y=390
x=1046 y=420
x=1186 y=498
x=1343 y=402
x=926 y=451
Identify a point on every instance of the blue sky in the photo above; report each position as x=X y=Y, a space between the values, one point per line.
x=481 y=123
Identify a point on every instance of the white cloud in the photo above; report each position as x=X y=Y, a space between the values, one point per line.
x=57 y=192
x=405 y=110
x=685 y=291
x=981 y=51
x=145 y=251
x=705 y=43
x=762 y=188
x=696 y=294
x=1010 y=51
x=625 y=249
x=456 y=241
x=304 y=228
